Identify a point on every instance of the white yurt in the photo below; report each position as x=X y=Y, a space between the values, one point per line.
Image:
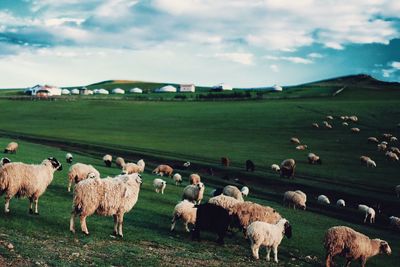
x=75 y=91
x=167 y=89
x=65 y=92
x=118 y=91
x=136 y=90
x=277 y=88
x=103 y=92
x=90 y=92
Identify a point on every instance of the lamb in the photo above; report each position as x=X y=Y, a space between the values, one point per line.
x=301 y=147
x=159 y=185
x=340 y=203
x=395 y=222
x=324 y=200
x=233 y=191
x=11 y=148
x=287 y=168
x=177 y=178
x=4 y=161
x=224 y=201
x=344 y=241
x=391 y=156
x=141 y=165
x=269 y=235
x=212 y=218
x=275 y=168
x=355 y=130
x=107 y=160
x=381 y=147
x=225 y=161
x=27 y=180
x=397 y=190
x=185 y=211
x=315 y=125
x=371 y=163
x=369 y=212
x=245 y=191
x=163 y=169
x=295 y=140
x=120 y=162
x=194 y=178
x=109 y=196
x=250 y=166
x=68 y=158
x=295 y=198
x=194 y=193
x=130 y=168
x=313 y=159
x=373 y=140
x=79 y=172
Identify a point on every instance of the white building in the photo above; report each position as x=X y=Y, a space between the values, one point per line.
x=65 y=92
x=136 y=90
x=187 y=88
x=222 y=87
x=52 y=90
x=118 y=91
x=166 y=89
x=75 y=91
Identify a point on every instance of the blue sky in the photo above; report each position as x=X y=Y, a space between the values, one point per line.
x=240 y=42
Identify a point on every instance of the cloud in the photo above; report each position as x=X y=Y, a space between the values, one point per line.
x=315 y=55
x=274 y=68
x=237 y=57
x=395 y=65
x=296 y=60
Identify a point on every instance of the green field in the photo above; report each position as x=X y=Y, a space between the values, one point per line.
x=203 y=132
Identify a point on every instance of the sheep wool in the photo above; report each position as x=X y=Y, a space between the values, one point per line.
x=194 y=192
x=344 y=241
x=194 y=178
x=79 y=172
x=141 y=165
x=186 y=212
x=297 y=199
x=163 y=170
x=224 y=201
x=233 y=191
x=177 y=178
x=130 y=168
x=245 y=191
x=11 y=148
x=324 y=200
x=107 y=160
x=159 y=185
x=120 y=162
x=109 y=196
x=27 y=180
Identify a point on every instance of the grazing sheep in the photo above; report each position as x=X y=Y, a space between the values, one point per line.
x=328 y=126
x=245 y=191
x=393 y=139
x=364 y=159
x=353 y=118
x=250 y=166
x=371 y=163
x=329 y=117
x=194 y=178
x=68 y=158
x=287 y=168
x=342 y=118
x=216 y=192
x=340 y=203
x=159 y=185
x=397 y=190
x=107 y=160
x=344 y=241
x=275 y=168
x=345 y=123
x=106 y=197
x=186 y=164
x=295 y=140
x=194 y=192
x=391 y=156
x=384 y=143
x=313 y=159
x=395 y=150
x=79 y=172
x=301 y=147
x=224 y=201
x=315 y=125
x=11 y=148
x=369 y=212
x=120 y=162
x=130 y=168
x=233 y=191
x=387 y=135
x=355 y=130
x=211 y=218
x=141 y=165
x=373 y=140
x=4 y=161
x=295 y=198
x=163 y=169
x=324 y=200
x=268 y=235
x=177 y=178
x=27 y=180
x=186 y=212
x=225 y=161
x=395 y=222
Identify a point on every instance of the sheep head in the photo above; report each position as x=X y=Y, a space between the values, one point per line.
x=56 y=164
x=385 y=248
x=287 y=229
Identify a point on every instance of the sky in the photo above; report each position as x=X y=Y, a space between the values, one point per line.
x=244 y=43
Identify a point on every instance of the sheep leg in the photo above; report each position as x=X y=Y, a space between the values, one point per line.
x=115 y=232
x=120 y=222
x=7 y=205
x=276 y=254
x=366 y=216
x=72 y=222
x=268 y=254
x=31 y=205
x=348 y=261
x=363 y=261
x=254 y=250
x=328 y=260
x=69 y=186
x=36 y=200
x=83 y=224
x=186 y=227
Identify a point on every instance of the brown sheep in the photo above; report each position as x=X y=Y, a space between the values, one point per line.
x=194 y=178
x=287 y=168
x=120 y=162
x=225 y=161
x=163 y=170
x=344 y=241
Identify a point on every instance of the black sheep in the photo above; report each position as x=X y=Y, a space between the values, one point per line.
x=211 y=218
x=250 y=165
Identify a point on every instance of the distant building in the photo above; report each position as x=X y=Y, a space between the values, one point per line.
x=101 y=91
x=222 y=87
x=136 y=90
x=65 y=92
x=85 y=91
x=75 y=91
x=187 y=88
x=52 y=90
x=118 y=91
x=166 y=89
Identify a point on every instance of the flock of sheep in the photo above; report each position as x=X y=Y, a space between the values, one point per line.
x=225 y=210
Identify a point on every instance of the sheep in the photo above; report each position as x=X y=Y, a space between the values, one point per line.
x=212 y=218
x=355 y=130
x=159 y=185
x=329 y=117
x=68 y=158
x=353 y=118
x=391 y=156
x=340 y=203
x=387 y=135
x=315 y=125
x=384 y=143
x=224 y=201
x=364 y=159
x=177 y=178
x=275 y=168
x=250 y=166
x=225 y=161
x=79 y=172
x=287 y=168
x=4 y=161
x=130 y=168
x=109 y=196
x=328 y=126
x=397 y=190
x=245 y=191
x=185 y=211
x=27 y=180
x=393 y=139
x=324 y=200
x=107 y=160
x=313 y=159
x=342 y=118
x=295 y=140
x=344 y=241
x=163 y=169
x=395 y=150
x=371 y=163
x=216 y=192
x=194 y=178
x=11 y=148
x=233 y=191
x=372 y=139
x=194 y=192
x=345 y=123
x=395 y=222
x=269 y=235
x=141 y=165
x=295 y=198
x=120 y=162
x=186 y=164
x=301 y=147
x=369 y=212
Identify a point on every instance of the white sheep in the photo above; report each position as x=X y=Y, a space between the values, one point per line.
x=324 y=200
x=301 y=147
x=381 y=147
x=329 y=117
x=27 y=180
x=297 y=199
x=141 y=165
x=345 y=123
x=245 y=191
x=268 y=235
x=130 y=168
x=391 y=156
x=109 y=196
x=194 y=178
x=369 y=212
x=107 y=160
x=159 y=185
x=355 y=130
x=185 y=211
x=68 y=158
x=186 y=164
x=177 y=178
x=120 y=162
x=295 y=140
x=371 y=163
x=275 y=167
x=194 y=192
x=79 y=172
x=373 y=139
x=393 y=139
x=315 y=125
x=340 y=203
x=233 y=191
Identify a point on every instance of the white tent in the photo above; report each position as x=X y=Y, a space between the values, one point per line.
x=277 y=88
x=136 y=90
x=75 y=91
x=103 y=92
x=118 y=91
x=167 y=89
x=65 y=92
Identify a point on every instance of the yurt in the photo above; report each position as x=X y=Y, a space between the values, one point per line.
x=136 y=90
x=65 y=92
x=118 y=91
x=167 y=89
x=75 y=91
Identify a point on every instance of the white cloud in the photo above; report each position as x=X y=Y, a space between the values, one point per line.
x=242 y=58
x=395 y=65
x=274 y=68
x=297 y=60
x=315 y=55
